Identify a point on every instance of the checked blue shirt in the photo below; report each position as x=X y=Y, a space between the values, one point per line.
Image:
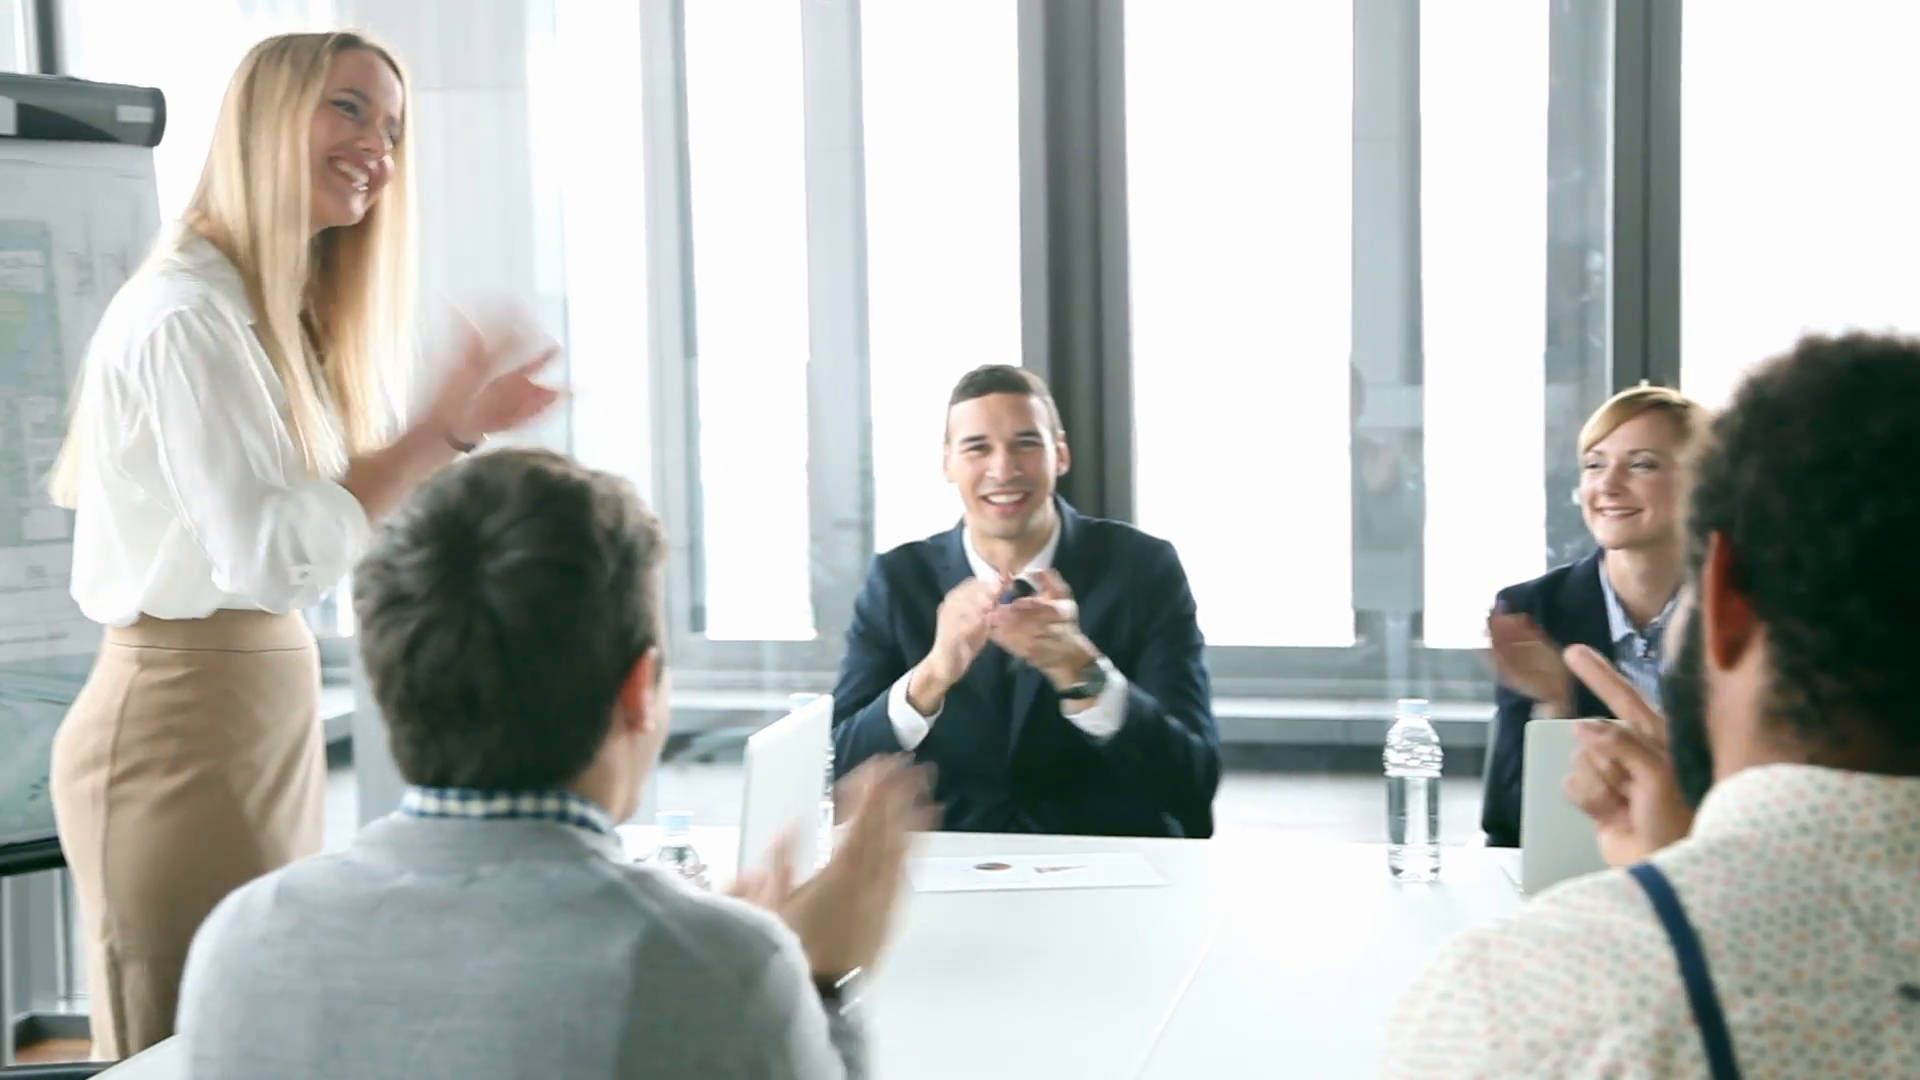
x=471 y=805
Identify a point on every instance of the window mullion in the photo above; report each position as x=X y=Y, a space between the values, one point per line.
x=839 y=428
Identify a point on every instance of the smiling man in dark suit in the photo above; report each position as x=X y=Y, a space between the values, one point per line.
x=1047 y=663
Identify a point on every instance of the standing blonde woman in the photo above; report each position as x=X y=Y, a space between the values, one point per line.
x=231 y=446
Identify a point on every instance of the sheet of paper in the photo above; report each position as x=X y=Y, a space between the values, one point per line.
x=1104 y=870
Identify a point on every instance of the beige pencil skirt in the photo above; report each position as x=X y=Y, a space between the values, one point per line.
x=192 y=762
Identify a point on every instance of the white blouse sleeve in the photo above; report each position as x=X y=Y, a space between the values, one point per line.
x=233 y=476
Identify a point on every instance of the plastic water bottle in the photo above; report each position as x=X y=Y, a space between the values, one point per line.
x=823 y=847
x=1413 y=793
x=675 y=854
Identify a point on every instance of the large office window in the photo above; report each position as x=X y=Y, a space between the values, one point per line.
x=600 y=231
x=838 y=190
x=1348 y=250
x=1240 y=180
x=1483 y=278
x=940 y=87
x=14 y=38
x=746 y=132
x=1347 y=394
x=1797 y=207
x=1365 y=262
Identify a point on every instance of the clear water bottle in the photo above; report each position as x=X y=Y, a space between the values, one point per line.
x=675 y=854
x=1413 y=793
x=823 y=847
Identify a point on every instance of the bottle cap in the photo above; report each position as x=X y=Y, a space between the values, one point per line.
x=675 y=821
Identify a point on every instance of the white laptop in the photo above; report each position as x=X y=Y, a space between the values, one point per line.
x=1557 y=839
x=785 y=779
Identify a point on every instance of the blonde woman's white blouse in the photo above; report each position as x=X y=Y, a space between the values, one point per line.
x=193 y=496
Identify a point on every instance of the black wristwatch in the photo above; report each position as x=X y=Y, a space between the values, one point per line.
x=1093 y=680
x=839 y=993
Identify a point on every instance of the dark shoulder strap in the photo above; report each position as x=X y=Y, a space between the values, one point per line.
x=1721 y=1064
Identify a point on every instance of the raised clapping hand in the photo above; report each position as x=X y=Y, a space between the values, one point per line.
x=470 y=402
x=475 y=399
x=845 y=913
x=1528 y=662
x=1044 y=630
x=1622 y=776
x=960 y=632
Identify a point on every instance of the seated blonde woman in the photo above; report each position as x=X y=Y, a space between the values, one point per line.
x=1617 y=600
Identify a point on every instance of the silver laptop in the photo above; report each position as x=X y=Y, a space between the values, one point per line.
x=785 y=780
x=1557 y=839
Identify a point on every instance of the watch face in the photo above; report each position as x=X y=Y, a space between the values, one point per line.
x=1093 y=679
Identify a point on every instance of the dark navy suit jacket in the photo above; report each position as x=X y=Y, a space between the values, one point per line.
x=1006 y=759
x=1568 y=605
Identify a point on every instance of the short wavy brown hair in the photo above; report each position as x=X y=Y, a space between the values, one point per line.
x=500 y=613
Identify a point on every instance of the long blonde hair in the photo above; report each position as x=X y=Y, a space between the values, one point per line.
x=353 y=285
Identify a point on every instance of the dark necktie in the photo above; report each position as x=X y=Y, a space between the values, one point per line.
x=999 y=669
x=1009 y=666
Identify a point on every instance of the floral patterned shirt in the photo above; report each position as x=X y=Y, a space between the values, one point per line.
x=1803 y=884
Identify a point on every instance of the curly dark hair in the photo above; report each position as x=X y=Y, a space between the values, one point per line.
x=1805 y=475
x=500 y=613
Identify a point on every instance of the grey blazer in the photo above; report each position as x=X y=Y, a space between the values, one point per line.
x=515 y=948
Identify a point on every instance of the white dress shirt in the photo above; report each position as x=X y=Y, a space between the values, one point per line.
x=1803 y=885
x=193 y=496
x=1099 y=720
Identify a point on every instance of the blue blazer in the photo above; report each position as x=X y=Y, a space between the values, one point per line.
x=1005 y=758
x=1569 y=606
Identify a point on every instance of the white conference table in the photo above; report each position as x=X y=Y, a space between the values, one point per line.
x=1264 y=955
